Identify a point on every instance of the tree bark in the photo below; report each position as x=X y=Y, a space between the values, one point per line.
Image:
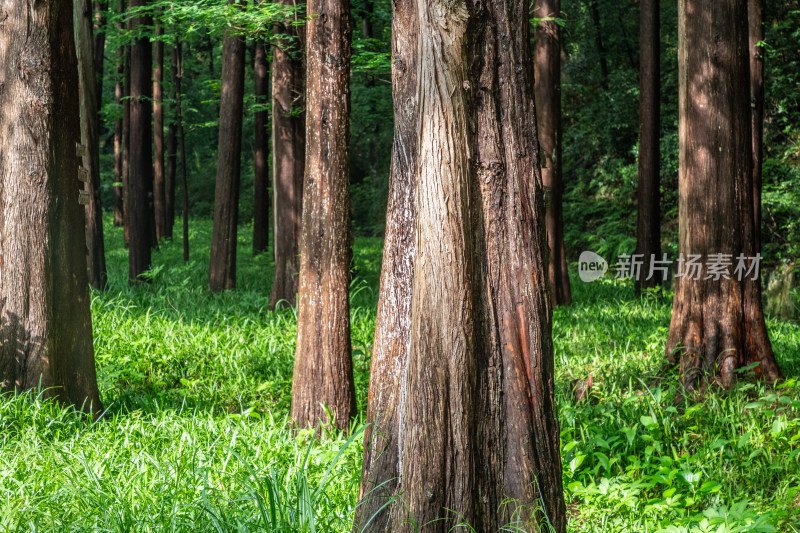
x=171 y=171
x=90 y=122
x=222 y=267
x=140 y=166
x=717 y=325
x=119 y=128
x=261 y=153
x=461 y=407
x=755 y=16
x=45 y=321
x=178 y=54
x=100 y=8
x=547 y=89
x=323 y=370
x=648 y=228
x=598 y=39
x=126 y=147
x=159 y=187
x=288 y=152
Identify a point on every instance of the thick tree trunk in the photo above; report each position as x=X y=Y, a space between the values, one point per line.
x=288 y=153
x=90 y=122
x=547 y=76
x=119 y=125
x=140 y=166
x=323 y=367
x=461 y=407
x=717 y=324
x=755 y=16
x=178 y=54
x=45 y=321
x=648 y=228
x=172 y=158
x=222 y=267
x=159 y=187
x=261 y=153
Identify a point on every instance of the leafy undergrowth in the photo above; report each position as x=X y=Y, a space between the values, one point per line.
x=196 y=389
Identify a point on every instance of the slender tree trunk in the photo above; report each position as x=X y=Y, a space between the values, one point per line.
x=222 y=267
x=159 y=187
x=172 y=159
x=45 y=321
x=755 y=16
x=100 y=8
x=288 y=153
x=323 y=368
x=126 y=147
x=461 y=407
x=119 y=125
x=717 y=324
x=547 y=87
x=261 y=153
x=140 y=166
x=648 y=228
x=90 y=173
x=598 y=39
x=178 y=78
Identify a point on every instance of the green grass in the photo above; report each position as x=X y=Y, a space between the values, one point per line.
x=197 y=390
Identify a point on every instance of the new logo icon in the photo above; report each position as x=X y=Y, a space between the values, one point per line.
x=591 y=266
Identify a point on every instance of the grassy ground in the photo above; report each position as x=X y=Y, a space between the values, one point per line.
x=197 y=388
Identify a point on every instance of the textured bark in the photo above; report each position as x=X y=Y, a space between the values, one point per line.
x=45 y=322
x=140 y=165
x=288 y=153
x=261 y=153
x=171 y=170
x=547 y=90
x=222 y=267
x=178 y=52
x=755 y=16
x=461 y=407
x=98 y=55
x=323 y=367
x=119 y=125
x=648 y=227
x=159 y=187
x=717 y=326
x=90 y=125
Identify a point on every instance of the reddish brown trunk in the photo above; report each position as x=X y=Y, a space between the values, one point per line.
x=717 y=326
x=755 y=16
x=323 y=368
x=222 y=268
x=159 y=188
x=461 y=391
x=261 y=153
x=288 y=153
x=648 y=228
x=95 y=248
x=46 y=332
x=140 y=165
x=547 y=76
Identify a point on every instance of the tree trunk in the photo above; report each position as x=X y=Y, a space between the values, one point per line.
x=755 y=16
x=717 y=325
x=323 y=368
x=222 y=267
x=159 y=187
x=648 y=228
x=598 y=39
x=140 y=166
x=288 y=153
x=547 y=88
x=98 y=55
x=126 y=147
x=90 y=122
x=46 y=333
x=172 y=159
x=178 y=77
x=261 y=153
x=119 y=128
x=461 y=407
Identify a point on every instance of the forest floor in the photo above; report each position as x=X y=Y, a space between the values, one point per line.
x=196 y=389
